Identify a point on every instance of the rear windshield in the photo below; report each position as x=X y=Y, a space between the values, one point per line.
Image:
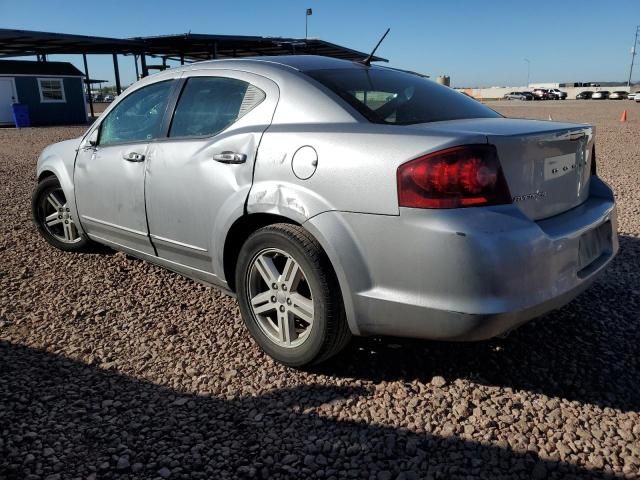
x=394 y=97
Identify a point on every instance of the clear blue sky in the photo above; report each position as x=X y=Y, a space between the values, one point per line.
x=476 y=43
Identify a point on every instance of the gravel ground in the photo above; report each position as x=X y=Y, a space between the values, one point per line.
x=113 y=368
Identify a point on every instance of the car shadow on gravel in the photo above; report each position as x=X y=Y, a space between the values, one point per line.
x=99 y=249
x=59 y=416
x=586 y=351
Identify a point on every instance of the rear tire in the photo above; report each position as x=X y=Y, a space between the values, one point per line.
x=53 y=218
x=289 y=296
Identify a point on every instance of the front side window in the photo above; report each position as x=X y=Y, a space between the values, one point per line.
x=396 y=97
x=208 y=105
x=138 y=117
x=51 y=90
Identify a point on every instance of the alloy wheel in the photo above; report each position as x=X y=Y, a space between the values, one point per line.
x=56 y=216
x=280 y=297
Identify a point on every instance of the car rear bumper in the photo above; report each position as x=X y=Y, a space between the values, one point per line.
x=468 y=274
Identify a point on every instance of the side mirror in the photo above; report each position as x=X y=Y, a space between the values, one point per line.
x=93 y=138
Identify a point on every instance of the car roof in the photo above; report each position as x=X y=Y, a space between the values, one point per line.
x=265 y=65
x=296 y=62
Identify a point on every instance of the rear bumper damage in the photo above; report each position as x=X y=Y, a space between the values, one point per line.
x=469 y=274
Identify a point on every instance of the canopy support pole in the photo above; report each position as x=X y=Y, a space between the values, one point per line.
x=88 y=82
x=116 y=71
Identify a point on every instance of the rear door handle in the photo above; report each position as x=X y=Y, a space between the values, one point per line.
x=230 y=157
x=133 y=157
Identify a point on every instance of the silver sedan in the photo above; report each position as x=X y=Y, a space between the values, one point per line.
x=336 y=199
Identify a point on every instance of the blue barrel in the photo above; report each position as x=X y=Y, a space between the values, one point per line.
x=21 y=115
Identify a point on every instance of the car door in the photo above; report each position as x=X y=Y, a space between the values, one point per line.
x=199 y=176
x=109 y=175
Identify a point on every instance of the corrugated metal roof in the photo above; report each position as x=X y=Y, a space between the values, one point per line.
x=191 y=46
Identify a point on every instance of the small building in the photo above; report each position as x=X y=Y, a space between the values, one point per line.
x=53 y=92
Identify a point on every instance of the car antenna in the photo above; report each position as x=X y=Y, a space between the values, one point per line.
x=367 y=61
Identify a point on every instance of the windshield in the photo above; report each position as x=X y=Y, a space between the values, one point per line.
x=394 y=97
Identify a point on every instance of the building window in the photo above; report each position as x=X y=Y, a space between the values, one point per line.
x=51 y=90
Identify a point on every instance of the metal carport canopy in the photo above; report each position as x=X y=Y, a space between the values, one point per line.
x=19 y=43
x=189 y=46
x=204 y=47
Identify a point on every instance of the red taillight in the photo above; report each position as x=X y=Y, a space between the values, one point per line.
x=466 y=176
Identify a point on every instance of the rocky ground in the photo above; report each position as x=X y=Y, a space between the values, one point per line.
x=113 y=368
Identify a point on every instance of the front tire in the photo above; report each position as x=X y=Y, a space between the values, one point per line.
x=289 y=296
x=53 y=218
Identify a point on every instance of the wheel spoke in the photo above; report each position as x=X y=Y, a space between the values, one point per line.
x=53 y=219
x=74 y=230
x=262 y=303
x=302 y=307
x=287 y=328
x=267 y=269
x=68 y=232
x=55 y=203
x=291 y=274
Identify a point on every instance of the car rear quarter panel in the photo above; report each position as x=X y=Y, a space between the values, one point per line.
x=356 y=172
x=356 y=169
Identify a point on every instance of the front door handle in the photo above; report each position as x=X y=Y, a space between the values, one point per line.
x=133 y=157
x=230 y=157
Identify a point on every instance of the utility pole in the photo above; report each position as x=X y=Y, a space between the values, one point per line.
x=633 y=53
x=306 y=23
x=528 y=70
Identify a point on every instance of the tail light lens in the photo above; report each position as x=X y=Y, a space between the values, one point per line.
x=466 y=176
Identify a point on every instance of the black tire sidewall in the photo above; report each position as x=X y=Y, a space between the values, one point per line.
x=42 y=187
x=312 y=347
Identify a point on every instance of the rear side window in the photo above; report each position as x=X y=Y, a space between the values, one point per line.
x=394 y=97
x=138 y=116
x=208 y=105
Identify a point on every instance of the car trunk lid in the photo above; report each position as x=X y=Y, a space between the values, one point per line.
x=547 y=165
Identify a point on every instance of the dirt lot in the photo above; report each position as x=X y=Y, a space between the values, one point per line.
x=114 y=368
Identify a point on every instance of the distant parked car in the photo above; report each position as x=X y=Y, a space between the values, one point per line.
x=601 y=95
x=636 y=96
x=618 y=95
x=108 y=98
x=514 y=96
x=98 y=98
x=558 y=94
x=631 y=96
x=543 y=94
x=528 y=95
x=584 y=95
